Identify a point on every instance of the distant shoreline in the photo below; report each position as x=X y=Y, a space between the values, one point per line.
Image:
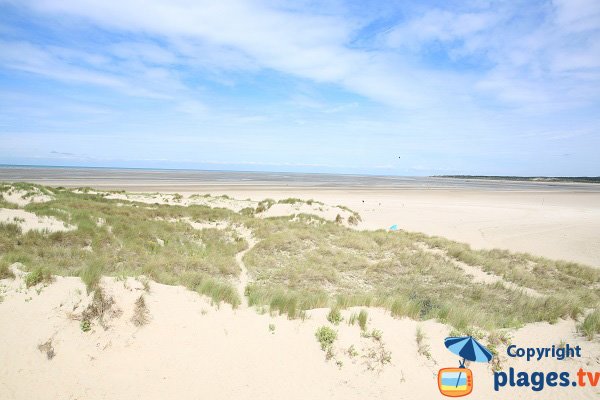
x=547 y=179
x=578 y=179
x=153 y=180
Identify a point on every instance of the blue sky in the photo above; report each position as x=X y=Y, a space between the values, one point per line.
x=376 y=87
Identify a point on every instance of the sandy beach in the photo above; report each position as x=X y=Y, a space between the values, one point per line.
x=192 y=350
x=299 y=200
x=188 y=347
x=554 y=220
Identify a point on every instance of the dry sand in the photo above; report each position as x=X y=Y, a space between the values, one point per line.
x=20 y=197
x=555 y=224
x=28 y=221
x=554 y=220
x=190 y=350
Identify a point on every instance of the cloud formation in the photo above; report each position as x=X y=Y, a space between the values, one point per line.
x=470 y=77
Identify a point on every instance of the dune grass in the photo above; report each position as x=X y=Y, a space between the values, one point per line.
x=591 y=324
x=296 y=265
x=5 y=272
x=363 y=316
x=329 y=265
x=132 y=239
x=38 y=275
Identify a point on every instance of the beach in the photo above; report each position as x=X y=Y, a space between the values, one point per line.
x=554 y=220
x=151 y=340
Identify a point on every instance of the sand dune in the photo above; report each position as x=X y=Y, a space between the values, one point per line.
x=189 y=350
x=557 y=225
x=554 y=220
x=28 y=221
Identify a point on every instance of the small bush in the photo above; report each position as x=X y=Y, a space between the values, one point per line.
x=326 y=336
x=36 y=276
x=335 y=316
x=339 y=219
x=264 y=205
x=272 y=328
x=352 y=220
x=591 y=324
x=376 y=335
x=85 y=325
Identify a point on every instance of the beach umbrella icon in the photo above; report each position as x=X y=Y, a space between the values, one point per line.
x=468 y=348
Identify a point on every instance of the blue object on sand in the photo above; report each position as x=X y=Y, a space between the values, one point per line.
x=394 y=227
x=468 y=348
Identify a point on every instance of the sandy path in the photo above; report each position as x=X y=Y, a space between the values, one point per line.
x=239 y=258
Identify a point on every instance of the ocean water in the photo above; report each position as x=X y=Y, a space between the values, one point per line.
x=168 y=177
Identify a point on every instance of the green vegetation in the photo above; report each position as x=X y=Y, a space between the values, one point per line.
x=377 y=356
x=85 y=325
x=125 y=243
x=422 y=347
x=375 y=334
x=296 y=265
x=326 y=336
x=91 y=274
x=335 y=316
x=591 y=324
x=264 y=205
x=353 y=318
x=38 y=275
x=581 y=179
x=5 y=271
x=362 y=319
x=409 y=274
x=352 y=351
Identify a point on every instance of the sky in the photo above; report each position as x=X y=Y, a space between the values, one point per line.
x=361 y=87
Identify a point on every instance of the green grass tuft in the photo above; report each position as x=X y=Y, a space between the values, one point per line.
x=91 y=274
x=335 y=316
x=38 y=275
x=362 y=319
x=591 y=324
x=5 y=272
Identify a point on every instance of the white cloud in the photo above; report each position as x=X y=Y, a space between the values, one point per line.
x=457 y=77
x=524 y=62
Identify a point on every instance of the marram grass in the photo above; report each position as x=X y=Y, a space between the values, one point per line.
x=297 y=265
